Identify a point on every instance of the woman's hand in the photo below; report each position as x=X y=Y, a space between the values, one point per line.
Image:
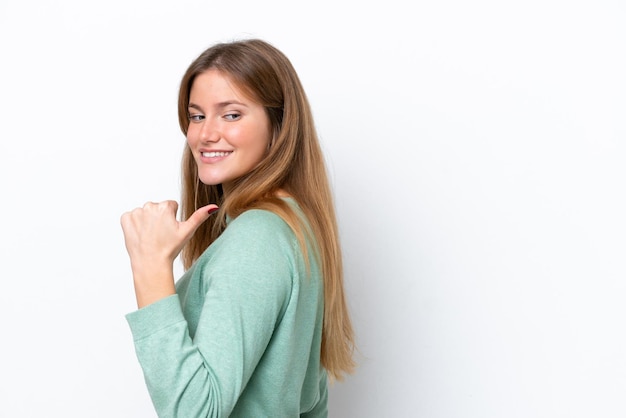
x=154 y=238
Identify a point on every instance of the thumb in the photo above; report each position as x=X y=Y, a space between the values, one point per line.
x=198 y=218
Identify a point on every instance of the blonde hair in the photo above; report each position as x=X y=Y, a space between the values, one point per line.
x=294 y=163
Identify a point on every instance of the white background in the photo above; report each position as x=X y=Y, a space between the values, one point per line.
x=476 y=151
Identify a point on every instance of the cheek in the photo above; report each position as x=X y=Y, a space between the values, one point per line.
x=191 y=136
x=246 y=137
x=261 y=145
x=263 y=137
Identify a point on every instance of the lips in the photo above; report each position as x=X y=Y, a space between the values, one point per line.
x=214 y=154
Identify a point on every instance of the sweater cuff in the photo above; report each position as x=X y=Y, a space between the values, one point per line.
x=155 y=317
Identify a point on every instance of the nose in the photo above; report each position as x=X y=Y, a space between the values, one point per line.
x=209 y=132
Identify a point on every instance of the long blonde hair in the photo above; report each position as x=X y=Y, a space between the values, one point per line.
x=294 y=163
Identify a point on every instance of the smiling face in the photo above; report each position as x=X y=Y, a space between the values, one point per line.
x=228 y=133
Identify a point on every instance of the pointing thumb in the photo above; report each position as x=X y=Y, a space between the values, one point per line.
x=198 y=218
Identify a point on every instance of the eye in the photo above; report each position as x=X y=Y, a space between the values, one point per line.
x=232 y=116
x=195 y=117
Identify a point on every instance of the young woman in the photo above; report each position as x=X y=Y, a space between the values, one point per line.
x=258 y=323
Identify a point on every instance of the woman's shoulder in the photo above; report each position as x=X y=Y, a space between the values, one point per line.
x=257 y=219
x=256 y=225
x=261 y=219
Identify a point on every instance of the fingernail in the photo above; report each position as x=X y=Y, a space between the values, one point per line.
x=213 y=210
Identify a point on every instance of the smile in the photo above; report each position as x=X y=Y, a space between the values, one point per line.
x=214 y=154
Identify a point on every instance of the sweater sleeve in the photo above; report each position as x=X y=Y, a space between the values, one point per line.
x=247 y=283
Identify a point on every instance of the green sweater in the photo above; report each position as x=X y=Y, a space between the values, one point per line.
x=242 y=336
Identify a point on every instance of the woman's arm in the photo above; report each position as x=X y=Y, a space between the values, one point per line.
x=246 y=286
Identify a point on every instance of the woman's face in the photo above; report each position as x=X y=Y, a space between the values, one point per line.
x=228 y=133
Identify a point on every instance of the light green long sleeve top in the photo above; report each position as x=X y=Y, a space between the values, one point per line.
x=242 y=336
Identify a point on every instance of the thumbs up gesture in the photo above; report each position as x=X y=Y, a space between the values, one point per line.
x=154 y=238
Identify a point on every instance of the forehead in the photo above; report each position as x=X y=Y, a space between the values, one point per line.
x=214 y=84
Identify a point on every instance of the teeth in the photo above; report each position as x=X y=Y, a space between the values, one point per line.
x=215 y=154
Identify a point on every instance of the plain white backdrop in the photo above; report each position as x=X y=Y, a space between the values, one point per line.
x=477 y=153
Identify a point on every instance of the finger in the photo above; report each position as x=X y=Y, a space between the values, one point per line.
x=124 y=218
x=172 y=205
x=127 y=219
x=198 y=218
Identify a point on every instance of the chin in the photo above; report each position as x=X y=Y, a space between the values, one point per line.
x=209 y=181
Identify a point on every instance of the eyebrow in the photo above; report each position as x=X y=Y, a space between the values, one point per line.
x=218 y=105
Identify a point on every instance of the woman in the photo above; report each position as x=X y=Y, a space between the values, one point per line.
x=258 y=322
